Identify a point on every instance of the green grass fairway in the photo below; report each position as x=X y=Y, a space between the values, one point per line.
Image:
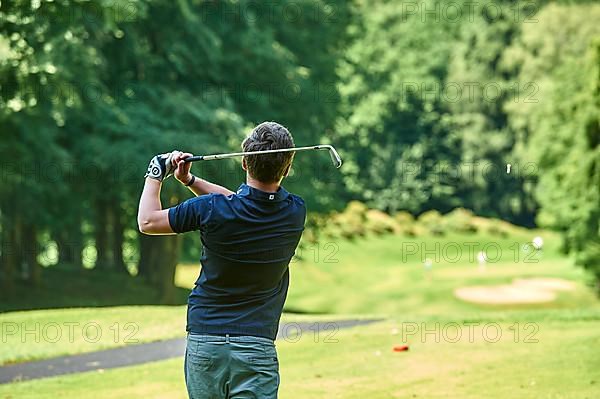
x=386 y=274
x=546 y=350
x=359 y=363
x=40 y=334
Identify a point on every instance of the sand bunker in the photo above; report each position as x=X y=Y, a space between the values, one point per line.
x=521 y=291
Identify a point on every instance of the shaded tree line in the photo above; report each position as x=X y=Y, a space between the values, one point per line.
x=92 y=90
x=426 y=103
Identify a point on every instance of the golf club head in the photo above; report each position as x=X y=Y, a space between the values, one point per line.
x=335 y=157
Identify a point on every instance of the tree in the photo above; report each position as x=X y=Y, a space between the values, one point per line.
x=478 y=90
x=392 y=122
x=561 y=132
x=94 y=89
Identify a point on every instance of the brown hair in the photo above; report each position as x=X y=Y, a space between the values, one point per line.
x=268 y=168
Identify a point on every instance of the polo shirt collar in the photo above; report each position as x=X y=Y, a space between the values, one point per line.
x=247 y=191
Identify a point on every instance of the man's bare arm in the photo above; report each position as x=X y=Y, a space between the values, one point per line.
x=152 y=219
x=199 y=186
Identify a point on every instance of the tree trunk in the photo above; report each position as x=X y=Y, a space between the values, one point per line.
x=70 y=245
x=11 y=254
x=101 y=237
x=76 y=243
x=167 y=267
x=146 y=256
x=65 y=251
x=30 y=252
x=117 y=240
x=17 y=245
x=159 y=256
x=8 y=260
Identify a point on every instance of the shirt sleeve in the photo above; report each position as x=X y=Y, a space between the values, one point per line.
x=192 y=214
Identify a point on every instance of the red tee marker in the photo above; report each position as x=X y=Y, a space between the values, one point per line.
x=401 y=348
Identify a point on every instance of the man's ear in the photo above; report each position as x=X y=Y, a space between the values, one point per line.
x=244 y=166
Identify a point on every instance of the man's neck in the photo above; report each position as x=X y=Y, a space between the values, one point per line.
x=266 y=187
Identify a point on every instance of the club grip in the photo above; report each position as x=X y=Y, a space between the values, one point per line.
x=194 y=158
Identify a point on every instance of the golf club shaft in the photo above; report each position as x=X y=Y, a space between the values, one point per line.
x=240 y=154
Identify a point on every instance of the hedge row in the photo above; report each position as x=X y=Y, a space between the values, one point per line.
x=357 y=220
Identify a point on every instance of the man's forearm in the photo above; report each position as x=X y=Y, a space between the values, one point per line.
x=150 y=198
x=201 y=187
x=152 y=218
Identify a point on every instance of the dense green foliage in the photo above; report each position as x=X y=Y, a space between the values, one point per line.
x=90 y=91
x=426 y=101
x=561 y=132
x=437 y=101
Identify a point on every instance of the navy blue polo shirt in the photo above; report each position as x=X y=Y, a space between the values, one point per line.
x=248 y=241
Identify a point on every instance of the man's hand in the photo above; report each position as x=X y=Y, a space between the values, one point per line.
x=152 y=219
x=182 y=168
x=164 y=165
x=161 y=166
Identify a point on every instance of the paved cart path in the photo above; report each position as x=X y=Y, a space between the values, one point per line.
x=143 y=353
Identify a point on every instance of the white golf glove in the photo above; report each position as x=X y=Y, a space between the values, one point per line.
x=161 y=167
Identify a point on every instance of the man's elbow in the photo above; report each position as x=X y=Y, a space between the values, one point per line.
x=145 y=226
x=154 y=223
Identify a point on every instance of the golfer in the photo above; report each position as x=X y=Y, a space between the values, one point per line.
x=248 y=239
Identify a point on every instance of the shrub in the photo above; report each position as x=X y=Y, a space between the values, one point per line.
x=379 y=222
x=404 y=218
x=460 y=220
x=350 y=223
x=356 y=208
x=499 y=228
x=493 y=227
x=315 y=227
x=405 y=224
x=433 y=222
x=357 y=220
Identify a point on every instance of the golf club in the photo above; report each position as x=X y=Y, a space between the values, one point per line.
x=335 y=157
